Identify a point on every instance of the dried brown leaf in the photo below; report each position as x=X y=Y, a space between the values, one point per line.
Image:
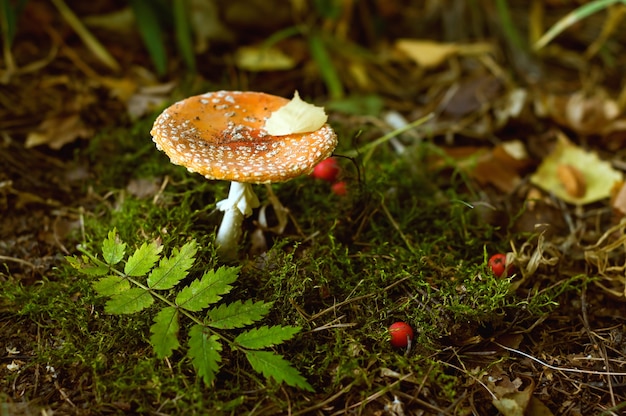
x=58 y=131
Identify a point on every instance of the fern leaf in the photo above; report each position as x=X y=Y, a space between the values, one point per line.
x=263 y=337
x=208 y=290
x=85 y=266
x=164 y=338
x=173 y=269
x=275 y=366
x=204 y=351
x=110 y=285
x=143 y=259
x=130 y=301
x=237 y=314
x=113 y=249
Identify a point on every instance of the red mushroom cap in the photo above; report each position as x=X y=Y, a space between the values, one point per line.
x=221 y=136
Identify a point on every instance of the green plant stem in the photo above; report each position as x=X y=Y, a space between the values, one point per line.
x=371 y=146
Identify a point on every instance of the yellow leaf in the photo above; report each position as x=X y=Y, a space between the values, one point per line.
x=429 y=54
x=598 y=175
x=426 y=53
x=252 y=58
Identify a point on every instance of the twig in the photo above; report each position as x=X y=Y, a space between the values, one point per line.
x=16 y=260
x=553 y=367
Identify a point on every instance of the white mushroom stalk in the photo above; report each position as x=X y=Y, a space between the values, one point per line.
x=239 y=204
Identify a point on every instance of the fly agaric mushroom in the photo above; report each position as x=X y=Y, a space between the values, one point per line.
x=246 y=138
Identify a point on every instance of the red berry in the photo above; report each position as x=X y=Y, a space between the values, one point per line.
x=327 y=170
x=339 y=188
x=497 y=264
x=401 y=334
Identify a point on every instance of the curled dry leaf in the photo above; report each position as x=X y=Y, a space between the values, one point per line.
x=575 y=175
x=572 y=179
x=58 y=131
x=583 y=112
x=618 y=200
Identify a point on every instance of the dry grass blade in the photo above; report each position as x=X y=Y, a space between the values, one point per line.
x=564 y=369
x=90 y=41
x=573 y=17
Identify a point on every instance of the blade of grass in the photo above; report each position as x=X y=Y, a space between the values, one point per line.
x=183 y=33
x=282 y=34
x=572 y=17
x=369 y=148
x=508 y=26
x=7 y=29
x=327 y=68
x=151 y=33
x=8 y=19
x=85 y=35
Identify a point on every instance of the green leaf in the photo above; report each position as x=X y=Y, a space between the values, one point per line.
x=237 y=314
x=85 y=266
x=204 y=351
x=164 y=338
x=131 y=301
x=174 y=268
x=113 y=249
x=208 y=290
x=143 y=259
x=111 y=285
x=275 y=366
x=265 y=336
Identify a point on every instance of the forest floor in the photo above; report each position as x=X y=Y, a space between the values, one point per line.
x=457 y=141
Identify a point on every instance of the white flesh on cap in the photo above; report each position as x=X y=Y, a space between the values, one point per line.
x=296 y=117
x=239 y=204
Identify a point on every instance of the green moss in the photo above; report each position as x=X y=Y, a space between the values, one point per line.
x=405 y=244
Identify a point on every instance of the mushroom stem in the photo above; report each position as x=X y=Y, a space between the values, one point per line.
x=239 y=204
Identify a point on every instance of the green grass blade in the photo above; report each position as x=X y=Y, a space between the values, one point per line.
x=508 y=26
x=151 y=32
x=182 y=27
x=572 y=17
x=327 y=69
x=8 y=18
x=85 y=35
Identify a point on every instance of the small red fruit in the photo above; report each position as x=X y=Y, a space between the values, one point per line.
x=401 y=334
x=327 y=170
x=497 y=264
x=339 y=188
